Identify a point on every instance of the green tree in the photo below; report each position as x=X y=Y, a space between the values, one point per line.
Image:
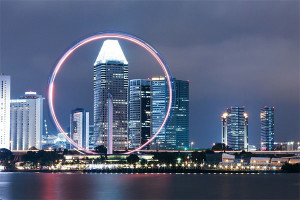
x=133 y=158
x=101 y=149
x=143 y=162
x=43 y=157
x=198 y=157
x=292 y=168
x=208 y=151
x=166 y=157
x=6 y=158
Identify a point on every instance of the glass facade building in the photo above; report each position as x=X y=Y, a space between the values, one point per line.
x=111 y=76
x=267 y=128
x=79 y=127
x=175 y=134
x=92 y=138
x=139 y=112
x=180 y=116
x=235 y=128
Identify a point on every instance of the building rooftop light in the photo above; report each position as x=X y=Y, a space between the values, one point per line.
x=111 y=51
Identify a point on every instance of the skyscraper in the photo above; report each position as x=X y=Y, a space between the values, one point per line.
x=111 y=76
x=26 y=121
x=5 y=111
x=79 y=127
x=182 y=113
x=159 y=103
x=175 y=134
x=235 y=128
x=267 y=128
x=92 y=138
x=139 y=112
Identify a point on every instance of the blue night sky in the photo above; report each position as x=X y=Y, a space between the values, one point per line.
x=235 y=53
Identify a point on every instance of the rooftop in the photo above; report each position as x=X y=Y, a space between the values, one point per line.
x=110 y=51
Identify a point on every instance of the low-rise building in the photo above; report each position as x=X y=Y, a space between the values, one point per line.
x=294 y=160
x=259 y=161
x=278 y=161
x=227 y=158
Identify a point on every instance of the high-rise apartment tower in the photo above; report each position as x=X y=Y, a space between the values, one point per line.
x=267 y=128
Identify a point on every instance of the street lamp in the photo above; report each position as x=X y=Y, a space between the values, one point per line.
x=192 y=143
x=158 y=146
x=152 y=147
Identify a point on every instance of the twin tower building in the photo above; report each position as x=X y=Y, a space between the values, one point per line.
x=132 y=111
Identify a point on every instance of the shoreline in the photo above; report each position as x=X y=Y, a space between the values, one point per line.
x=141 y=171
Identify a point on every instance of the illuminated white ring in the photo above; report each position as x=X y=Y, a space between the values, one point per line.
x=106 y=35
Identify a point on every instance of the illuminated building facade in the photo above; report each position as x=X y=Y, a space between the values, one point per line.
x=79 y=127
x=92 y=138
x=5 y=111
x=139 y=112
x=267 y=128
x=235 y=128
x=175 y=134
x=181 y=113
x=111 y=76
x=224 y=128
x=26 y=121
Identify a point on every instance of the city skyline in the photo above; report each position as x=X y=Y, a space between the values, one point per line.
x=211 y=85
x=130 y=99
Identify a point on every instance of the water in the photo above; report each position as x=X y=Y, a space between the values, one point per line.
x=50 y=186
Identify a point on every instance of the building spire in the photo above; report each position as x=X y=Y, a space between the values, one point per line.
x=110 y=51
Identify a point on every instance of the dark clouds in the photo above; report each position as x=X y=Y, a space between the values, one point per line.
x=234 y=53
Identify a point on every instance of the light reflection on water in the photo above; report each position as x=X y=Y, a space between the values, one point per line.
x=50 y=186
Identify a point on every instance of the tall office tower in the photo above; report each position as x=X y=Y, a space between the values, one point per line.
x=159 y=103
x=175 y=134
x=182 y=113
x=79 y=127
x=235 y=128
x=267 y=128
x=5 y=111
x=139 y=112
x=92 y=139
x=111 y=76
x=26 y=121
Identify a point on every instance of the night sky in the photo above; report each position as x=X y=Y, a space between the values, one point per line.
x=234 y=53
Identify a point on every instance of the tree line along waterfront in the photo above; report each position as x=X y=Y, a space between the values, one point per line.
x=203 y=161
